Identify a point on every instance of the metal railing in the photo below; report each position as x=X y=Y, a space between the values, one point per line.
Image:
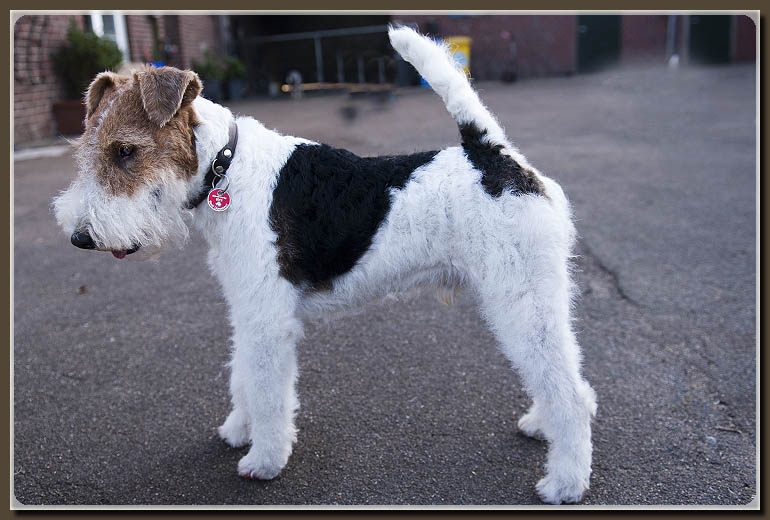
x=316 y=36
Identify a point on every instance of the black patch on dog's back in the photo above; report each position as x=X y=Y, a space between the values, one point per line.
x=499 y=172
x=327 y=206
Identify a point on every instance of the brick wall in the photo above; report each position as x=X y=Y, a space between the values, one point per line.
x=140 y=37
x=36 y=37
x=185 y=37
x=196 y=34
x=35 y=84
x=643 y=38
x=530 y=45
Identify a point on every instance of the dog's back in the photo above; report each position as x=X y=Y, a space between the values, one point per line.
x=339 y=218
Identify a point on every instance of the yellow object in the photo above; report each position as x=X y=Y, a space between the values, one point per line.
x=460 y=47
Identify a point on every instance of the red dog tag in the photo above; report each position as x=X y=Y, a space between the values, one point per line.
x=219 y=200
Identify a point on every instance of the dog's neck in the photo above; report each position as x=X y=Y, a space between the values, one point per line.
x=211 y=133
x=253 y=173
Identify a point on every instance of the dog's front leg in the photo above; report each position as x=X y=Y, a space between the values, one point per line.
x=262 y=384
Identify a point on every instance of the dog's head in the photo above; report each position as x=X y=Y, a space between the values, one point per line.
x=136 y=162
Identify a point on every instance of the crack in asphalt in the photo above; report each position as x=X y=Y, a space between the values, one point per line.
x=610 y=273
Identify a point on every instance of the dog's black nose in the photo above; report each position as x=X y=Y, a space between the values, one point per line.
x=82 y=240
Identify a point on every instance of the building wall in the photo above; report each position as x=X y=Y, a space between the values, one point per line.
x=196 y=34
x=643 y=38
x=529 y=45
x=745 y=39
x=140 y=37
x=35 y=84
x=184 y=37
x=36 y=87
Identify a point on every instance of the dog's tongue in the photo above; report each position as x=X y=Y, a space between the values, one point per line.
x=119 y=254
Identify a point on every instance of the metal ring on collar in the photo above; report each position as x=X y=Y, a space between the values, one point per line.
x=221 y=178
x=219 y=171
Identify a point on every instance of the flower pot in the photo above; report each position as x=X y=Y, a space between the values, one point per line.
x=235 y=89
x=70 y=116
x=212 y=90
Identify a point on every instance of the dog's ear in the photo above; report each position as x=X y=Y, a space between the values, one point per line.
x=165 y=90
x=103 y=82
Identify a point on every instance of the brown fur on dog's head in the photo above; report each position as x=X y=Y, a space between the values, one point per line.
x=140 y=127
x=137 y=162
x=164 y=90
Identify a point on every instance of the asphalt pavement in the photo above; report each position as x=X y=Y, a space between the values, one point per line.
x=119 y=376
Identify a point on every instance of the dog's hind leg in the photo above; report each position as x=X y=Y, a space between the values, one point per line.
x=527 y=307
x=262 y=384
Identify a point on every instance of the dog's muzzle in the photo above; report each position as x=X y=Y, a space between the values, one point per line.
x=83 y=240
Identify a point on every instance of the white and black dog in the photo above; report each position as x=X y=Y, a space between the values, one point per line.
x=311 y=227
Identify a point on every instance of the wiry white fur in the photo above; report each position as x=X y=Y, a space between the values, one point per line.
x=435 y=64
x=511 y=253
x=121 y=222
x=443 y=229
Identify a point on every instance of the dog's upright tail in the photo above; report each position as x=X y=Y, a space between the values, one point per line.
x=434 y=63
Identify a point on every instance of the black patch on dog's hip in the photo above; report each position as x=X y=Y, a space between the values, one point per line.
x=499 y=172
x=327 y=206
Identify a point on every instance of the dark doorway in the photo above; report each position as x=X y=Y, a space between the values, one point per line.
x=710 y=38
x=598 y=41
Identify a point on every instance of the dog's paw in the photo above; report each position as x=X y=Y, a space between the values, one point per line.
x=558 y=490
x=529 y=425
x=234 y=431
x=258 y=467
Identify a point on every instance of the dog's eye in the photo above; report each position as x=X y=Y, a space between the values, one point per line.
x=125 y=151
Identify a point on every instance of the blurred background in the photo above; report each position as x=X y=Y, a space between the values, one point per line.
x=270 y=55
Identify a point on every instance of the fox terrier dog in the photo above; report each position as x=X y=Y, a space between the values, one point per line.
x=297 y=227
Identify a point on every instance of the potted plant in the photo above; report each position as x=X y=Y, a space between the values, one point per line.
x=235 y=77
x=211 y=72
x=82 y=57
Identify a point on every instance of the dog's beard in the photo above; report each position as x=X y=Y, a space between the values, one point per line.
x=151 y=218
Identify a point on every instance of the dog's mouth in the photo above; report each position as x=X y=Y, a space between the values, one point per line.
x=123 y=252
x=83 y=240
